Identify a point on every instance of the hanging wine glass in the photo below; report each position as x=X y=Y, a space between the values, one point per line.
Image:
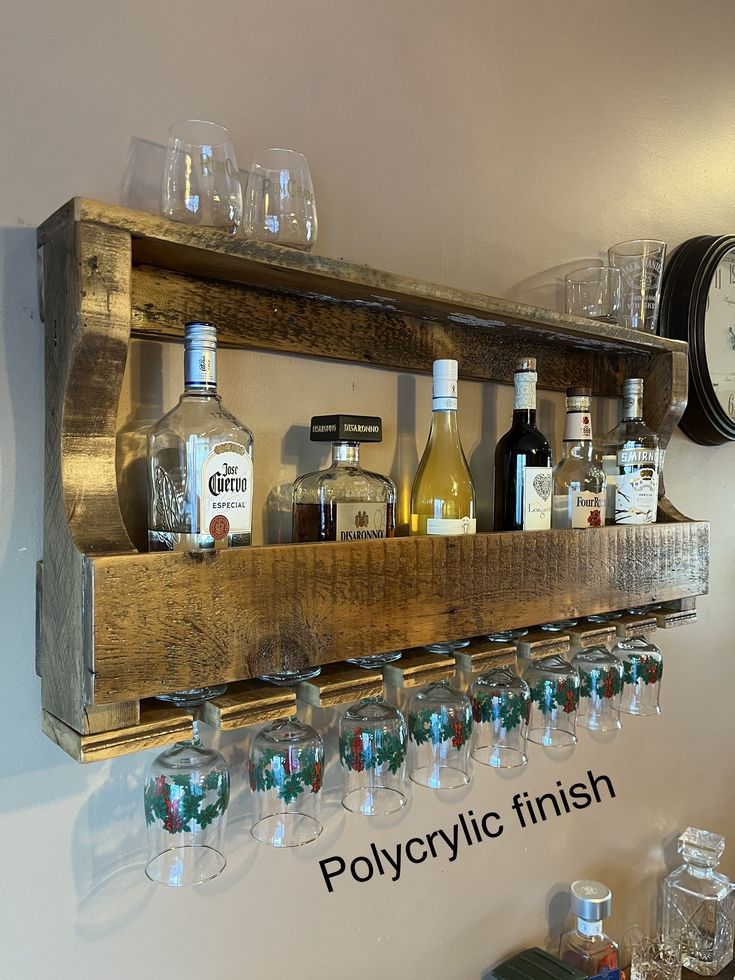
x=501 y=702
x=642 y=672
x=554 y=686
x=373 y=739
x=439 y=727
x=186 y=794
x=601 y=685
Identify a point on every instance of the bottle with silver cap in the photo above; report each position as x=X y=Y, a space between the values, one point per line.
x=579 y=483
x=200 y=467
x=587 y=947
x=630 y=459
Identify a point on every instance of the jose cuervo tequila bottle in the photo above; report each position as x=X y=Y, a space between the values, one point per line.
x=630 y=459
x=344 y=502
x=443 y=494
x=523 y=478
x=200 y=467
x=579 y=483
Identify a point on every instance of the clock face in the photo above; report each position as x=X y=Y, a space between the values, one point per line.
x=719 y=332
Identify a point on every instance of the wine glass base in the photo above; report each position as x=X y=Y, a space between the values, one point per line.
x=440 y=777
x=192 y=696
x=449 y=646
x=642 y=711
x=286 y=829
x=374 y=801
x=291 y=677
x=500 y=756
x=375 y=660
x=180 y=867
x=551 y=738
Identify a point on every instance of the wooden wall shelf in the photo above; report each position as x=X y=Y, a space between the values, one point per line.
x=117 y=627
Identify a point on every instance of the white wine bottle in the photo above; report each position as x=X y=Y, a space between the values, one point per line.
x=443 y=495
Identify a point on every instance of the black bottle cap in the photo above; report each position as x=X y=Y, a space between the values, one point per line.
x=346 y=428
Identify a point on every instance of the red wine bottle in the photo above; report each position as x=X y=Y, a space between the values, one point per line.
x=523 y=478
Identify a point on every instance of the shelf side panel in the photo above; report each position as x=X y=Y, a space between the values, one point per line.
x=166 y=622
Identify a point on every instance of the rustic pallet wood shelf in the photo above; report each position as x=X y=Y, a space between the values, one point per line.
x=116 y=627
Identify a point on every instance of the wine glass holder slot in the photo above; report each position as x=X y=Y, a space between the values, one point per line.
x=117 y=626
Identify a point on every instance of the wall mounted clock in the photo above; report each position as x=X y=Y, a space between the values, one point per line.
x=698 y=305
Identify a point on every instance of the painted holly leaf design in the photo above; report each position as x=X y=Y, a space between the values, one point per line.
x=179 y=803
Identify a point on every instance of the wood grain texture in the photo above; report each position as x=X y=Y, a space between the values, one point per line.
x=229 y=615
x=417 y=667
x=248 y=703
x=340 y=684
x=591 y=634
x=158 y=726
x=482 y=656
x=538 y=644
x=635 y=625
x=677 y=613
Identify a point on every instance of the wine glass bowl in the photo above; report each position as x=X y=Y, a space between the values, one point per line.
x=440 y=726
x=280 y=207
x=373 y=739
x=500 y=706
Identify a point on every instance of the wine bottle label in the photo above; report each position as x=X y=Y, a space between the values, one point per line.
x=578 y=427
x=537 y=486
x=524 y=383
x=636 y=497
x=464 y=525
x=586 y=509
x=226 y=491
x=361 y=521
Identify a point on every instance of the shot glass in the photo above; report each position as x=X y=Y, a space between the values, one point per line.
x=373 y=739
x=600 y=689
x=201 y=181
x=642 y=672
x=554 y=686
x=594 y=292
x=439 y=729
x=279 y=200
x=641 y=264
x=285 y=767
x=500 y=706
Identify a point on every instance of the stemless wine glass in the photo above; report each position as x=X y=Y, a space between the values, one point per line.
x=642 y=672
x=201 y=182
x=601 y=685
x=285 y=767
x=641 y=264
x=554 y=686
x=186 y=794
x=500 y=707
x=594 y=292
x=372 y=749
x=439 y=729
x=279 y=200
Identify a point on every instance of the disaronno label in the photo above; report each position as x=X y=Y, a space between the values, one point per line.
x=537 y=486
x=226 y=494
x=361 y=521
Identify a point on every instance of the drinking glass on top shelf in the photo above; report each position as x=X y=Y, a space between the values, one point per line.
x=594 y=292
x=279 y=200
x=641 y=264
x=201 y=181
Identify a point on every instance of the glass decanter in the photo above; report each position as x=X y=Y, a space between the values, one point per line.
x=699 y=904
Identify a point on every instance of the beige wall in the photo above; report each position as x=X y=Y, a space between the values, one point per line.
x=486 y=145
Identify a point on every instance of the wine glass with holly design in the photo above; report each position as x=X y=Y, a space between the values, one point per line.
x=186 y=794
x=373 y=739
x=642 y=672
x=439 y=730
x=285 y=767
x=554 y=686
x=501 y=702
x=600 y=688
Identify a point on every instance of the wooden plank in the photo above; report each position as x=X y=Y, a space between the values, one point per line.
x=538 y=644
x=635 y=624
x=416 y=668
x=159 y=726
x=677 y=613
x=484 y=655
x=586 y=634
x=340 y=684
x=248 y=703
x=165 y=622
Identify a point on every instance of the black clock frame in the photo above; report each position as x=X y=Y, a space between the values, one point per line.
x=686 y=284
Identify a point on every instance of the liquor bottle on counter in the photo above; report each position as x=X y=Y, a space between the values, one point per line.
x=200 y=467
x=630 y=459
x=523 y=477
x=579 y=483
x=586 y=947
x=443 y=494
x=344 y=502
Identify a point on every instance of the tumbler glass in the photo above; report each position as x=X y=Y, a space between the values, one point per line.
x=279 y=200
x=285 y=767
x=642 y=672
x=500 y=705
x=373 y=739
x=594 y=292
x=186 y=794
x=600 y=688
x=201 y=182
x=554 y=686
x=439 y=729
x=641 y=264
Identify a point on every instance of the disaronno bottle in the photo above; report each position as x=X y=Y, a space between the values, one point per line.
x=344 y=502
x=200 y=467
x=631 y=463
x=579 y=483
x=523 y=478
x=443 y=494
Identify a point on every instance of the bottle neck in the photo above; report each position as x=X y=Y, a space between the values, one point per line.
x=443 y=423
x=587 y=928
x=701 y=870
x=346 y=453
x=200 y=369
x=633 y=406
x=524 y=397
x=578 y=429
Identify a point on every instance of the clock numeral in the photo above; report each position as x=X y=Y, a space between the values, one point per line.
x=717 y=279
x=732 y=273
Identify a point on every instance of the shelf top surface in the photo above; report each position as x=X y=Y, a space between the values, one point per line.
x=210 y=253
